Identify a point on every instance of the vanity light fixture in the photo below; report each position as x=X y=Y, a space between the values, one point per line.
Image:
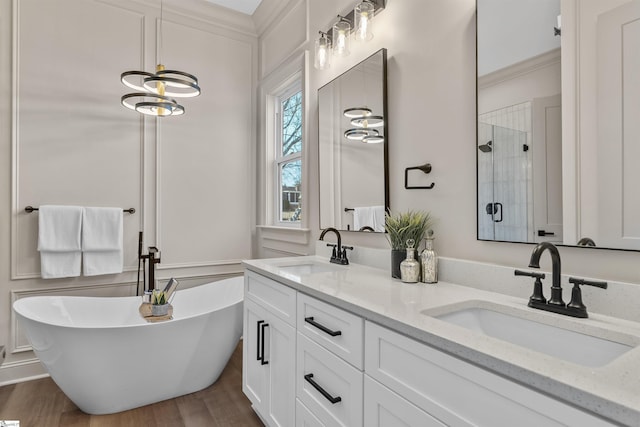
x=357 y=112
x=156 y=91
x=322 y=51
x=337 y=37
x=341 y=36
x=368 y=121
x=362 y=14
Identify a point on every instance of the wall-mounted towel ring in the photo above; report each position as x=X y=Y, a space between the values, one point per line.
x=426 y=168
x=30 y=209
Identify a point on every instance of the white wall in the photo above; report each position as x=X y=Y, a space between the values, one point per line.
x=65 y=139
x=432 y=118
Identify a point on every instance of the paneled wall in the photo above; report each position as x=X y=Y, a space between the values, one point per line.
x=66 y=139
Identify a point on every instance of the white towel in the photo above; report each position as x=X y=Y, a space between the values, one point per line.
x=371 y=216
x=102 y=241
x=59 y=229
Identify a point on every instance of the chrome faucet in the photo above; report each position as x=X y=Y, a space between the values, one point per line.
x=555 y=304
x=339 y=254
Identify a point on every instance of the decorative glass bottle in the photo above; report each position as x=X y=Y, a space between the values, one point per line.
x=429 y=260
x=410 y=267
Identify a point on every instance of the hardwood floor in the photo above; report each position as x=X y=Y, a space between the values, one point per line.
x=40 y=403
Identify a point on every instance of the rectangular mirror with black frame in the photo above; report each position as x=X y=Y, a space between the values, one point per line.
x=531 y=185
x=352 y=144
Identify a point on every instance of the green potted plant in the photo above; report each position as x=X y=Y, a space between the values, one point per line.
x=401 y=227
x=159 y=303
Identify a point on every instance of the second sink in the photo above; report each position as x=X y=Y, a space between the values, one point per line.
x=495 y=321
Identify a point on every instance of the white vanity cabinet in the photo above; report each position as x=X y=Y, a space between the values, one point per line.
x=322 y=365
x=268 y=359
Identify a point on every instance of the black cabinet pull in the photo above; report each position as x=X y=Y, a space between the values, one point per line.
x=322 y=327
x=333 y=400
x=260 y=341
x=262 y=328
x=258 y=356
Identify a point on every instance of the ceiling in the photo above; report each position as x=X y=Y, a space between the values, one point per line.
x=244 y=6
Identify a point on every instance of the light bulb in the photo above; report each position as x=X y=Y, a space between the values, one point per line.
x=323 y=45
x=341 y=33
x=363 y=14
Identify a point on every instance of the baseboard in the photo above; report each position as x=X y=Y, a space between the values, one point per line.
x=24 y=370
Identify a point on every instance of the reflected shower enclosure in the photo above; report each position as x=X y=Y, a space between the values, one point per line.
x=504 y=184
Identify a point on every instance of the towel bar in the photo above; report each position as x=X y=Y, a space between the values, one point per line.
x=30 y=209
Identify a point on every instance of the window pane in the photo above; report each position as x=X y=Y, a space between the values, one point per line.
x=292 y=124
x=290 y=196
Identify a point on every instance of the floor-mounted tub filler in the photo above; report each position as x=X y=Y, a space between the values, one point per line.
x=106 y=358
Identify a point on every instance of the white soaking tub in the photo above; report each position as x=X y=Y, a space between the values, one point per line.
x=106 y=358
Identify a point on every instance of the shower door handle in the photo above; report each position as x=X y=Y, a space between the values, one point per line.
x=498 y=205
x=261 y=325
x=492 y=209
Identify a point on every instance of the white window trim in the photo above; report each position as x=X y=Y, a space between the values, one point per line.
x=272 y=88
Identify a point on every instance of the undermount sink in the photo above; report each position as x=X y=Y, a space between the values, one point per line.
x=305 y=269
x=510 y=325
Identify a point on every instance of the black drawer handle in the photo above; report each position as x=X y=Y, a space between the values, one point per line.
x=322 y=327
x=333 y=400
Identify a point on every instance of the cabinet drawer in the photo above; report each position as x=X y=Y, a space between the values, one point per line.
x=327 y=385
x=338 y=331
x=459 y=393
x=384 y=408
x=304 y=417
x=275 y=297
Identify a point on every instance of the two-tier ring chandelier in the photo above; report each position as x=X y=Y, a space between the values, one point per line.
x=156 y=92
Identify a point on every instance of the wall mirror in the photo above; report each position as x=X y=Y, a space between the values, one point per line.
x=352 y=144
x=531 y=185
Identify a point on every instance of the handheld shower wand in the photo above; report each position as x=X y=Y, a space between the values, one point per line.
x=139 y=260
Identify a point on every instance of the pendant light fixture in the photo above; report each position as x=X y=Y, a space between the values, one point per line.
x=156 y=91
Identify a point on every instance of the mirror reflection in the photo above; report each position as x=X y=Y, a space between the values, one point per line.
x=527 y=191
x=352 y=141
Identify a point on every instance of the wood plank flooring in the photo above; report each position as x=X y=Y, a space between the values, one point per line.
x=40 y=403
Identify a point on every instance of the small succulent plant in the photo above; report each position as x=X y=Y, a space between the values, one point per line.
x=159 y=297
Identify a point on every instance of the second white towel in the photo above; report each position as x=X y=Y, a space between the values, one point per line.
x=102 y=241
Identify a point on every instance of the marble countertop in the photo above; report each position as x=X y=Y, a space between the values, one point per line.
x=612 y=390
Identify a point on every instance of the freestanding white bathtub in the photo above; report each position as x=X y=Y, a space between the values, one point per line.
x=106 y=358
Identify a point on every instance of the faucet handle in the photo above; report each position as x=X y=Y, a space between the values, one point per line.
x=343 y=255
x=576 y=294
x=578 y=281
x=537 y=297
x=529 y=274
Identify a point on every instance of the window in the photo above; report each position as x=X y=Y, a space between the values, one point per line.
x=288 y=155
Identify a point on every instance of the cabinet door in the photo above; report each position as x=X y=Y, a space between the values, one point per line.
x=268 y=365
x=255 y=375
x=384 y=408
x=280 y=356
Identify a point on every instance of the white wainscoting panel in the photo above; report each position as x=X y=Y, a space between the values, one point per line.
x=204 y=157
x=73 y=142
